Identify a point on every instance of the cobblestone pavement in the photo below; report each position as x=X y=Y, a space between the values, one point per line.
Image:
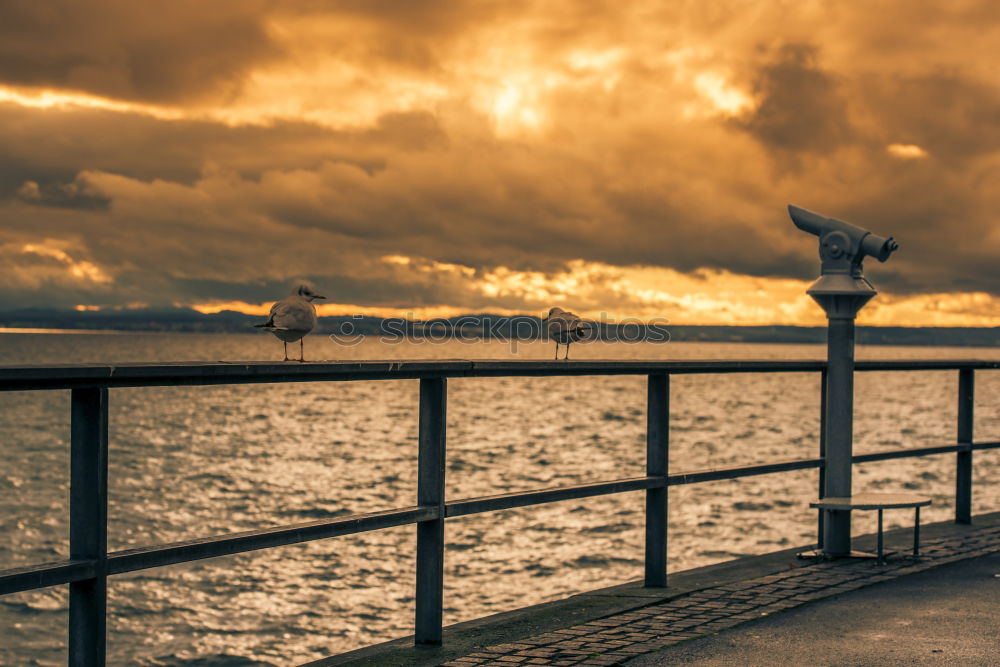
x=614 y=640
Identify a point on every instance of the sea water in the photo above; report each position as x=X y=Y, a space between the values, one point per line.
x=189 y=462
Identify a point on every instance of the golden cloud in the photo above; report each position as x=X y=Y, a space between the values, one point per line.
x=628 y=158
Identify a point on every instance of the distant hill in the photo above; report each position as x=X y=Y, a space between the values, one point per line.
x=522 y=327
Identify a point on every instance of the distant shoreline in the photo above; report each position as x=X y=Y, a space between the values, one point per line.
x=481 y=326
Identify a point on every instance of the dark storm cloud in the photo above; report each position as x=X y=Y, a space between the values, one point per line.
x=952 y=116
x=52 y=147
x=683 y=235
x=629 y=164
x=244 y=227
x=800 y=107
x=450 y=206
x=75 y=195
x=164 y=52
x=946 y=232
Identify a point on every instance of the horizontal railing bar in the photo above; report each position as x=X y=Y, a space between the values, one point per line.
x=27 y=578
x=922 y=451
x=170 y=374
x=524 y=498
x=744 y=471
x=925 y=365
x=538 y=497
x=512 y=368
x=32 y=377
x=904 y=453
x=251 y=540
x=63 y=572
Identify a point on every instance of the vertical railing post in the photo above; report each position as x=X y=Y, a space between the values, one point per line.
x=963 y=472
x=821 y=515
x=88 y=525
x=430 y=492
x=657 y=465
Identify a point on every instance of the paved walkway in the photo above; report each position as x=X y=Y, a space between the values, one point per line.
x=945 y=616
x=620 y=638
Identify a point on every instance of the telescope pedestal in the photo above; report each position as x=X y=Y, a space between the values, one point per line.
x=842 y=291
x=841 y=309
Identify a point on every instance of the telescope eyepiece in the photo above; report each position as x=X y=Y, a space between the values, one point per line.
x=878 y=247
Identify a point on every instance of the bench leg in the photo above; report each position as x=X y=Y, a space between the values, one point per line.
x=916 y=531
x=819 y=533
x=880 y=559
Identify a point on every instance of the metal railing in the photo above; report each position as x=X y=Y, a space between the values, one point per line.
x=89 y=565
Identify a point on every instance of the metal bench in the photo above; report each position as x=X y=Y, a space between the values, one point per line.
x=880 y=502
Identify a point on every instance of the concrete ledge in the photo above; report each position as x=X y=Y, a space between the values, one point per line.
x=464 y=638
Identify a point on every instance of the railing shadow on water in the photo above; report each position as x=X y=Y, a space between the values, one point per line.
x=89 y=565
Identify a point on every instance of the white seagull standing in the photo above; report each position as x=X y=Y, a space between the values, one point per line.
x=293 y=317
x=564 y=328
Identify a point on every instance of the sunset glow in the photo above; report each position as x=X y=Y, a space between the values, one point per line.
x=50 y=99
x=631 y=160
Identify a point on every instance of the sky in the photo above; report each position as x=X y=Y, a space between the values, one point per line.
x=626 y=159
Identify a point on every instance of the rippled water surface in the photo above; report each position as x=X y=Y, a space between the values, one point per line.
x=191 y=462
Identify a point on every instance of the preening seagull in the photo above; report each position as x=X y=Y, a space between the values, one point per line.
x=564 y=328
x=293 y=317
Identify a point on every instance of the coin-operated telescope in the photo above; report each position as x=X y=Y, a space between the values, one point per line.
x=842 y=249
x=841 y=290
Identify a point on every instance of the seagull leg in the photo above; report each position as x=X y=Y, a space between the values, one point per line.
x=286 y=350
x=566 y=357
x=302 y=351
x=557 y=350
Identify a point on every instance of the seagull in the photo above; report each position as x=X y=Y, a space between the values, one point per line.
x=565 y=328
x=293 y=317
